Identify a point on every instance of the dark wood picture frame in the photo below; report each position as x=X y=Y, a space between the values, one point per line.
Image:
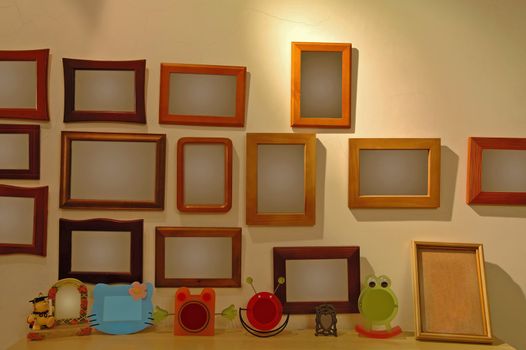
x=65 y=171
x=135 y=227
x=72 y=115
x=40 y=195
x=344 y=121
x=351 y=254
x=33 y=171
x=161 y=233
x=41 y=111
x=474 y=193
x=253 y=216
x=236 y=120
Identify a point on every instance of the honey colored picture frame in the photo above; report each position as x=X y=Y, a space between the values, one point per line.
x=475 y=193
x=133 y=227
x=164 y=233
x=32 y=171
x=153 y=168
x=72 y=66
x=449 y=289
x=352 y=256
x=40 y=112
x=429 y=200
x=299 y=118
x=38 y=220
x=237 y=119
x=182 y=203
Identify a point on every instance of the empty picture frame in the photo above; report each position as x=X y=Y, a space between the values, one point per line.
x=104 y=91
x=394 y=173
x=112 y=170
x=19 y=151
x=496 y=171
x=197 y=257
x=193 y=94
x=23 y=214
x=449 y=291
x=23 y=84
x=281 y=179
x=321 y=85
x=204 y=174
x=317 y=275
x=101 y=250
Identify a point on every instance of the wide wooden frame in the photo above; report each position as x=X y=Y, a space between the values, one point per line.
x=253 y=217
x=344 y=121
x=227 y=204
x=474 y=193
x=40 y=195
x=423 y=334
x=65 y=171
x=351 y=254
x=41 y=111
x=431 y=200
x=161 y=233
x=135 y=227
x=73 y=115
x=237 y=120
x=33 y=132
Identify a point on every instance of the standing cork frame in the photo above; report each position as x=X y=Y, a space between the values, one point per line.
x=321 y=85
x=23 y=84
x=496 y=171
x=19 y=151
x=449 y=290
x=193 y=94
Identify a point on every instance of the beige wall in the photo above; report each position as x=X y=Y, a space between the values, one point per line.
x=449 y=69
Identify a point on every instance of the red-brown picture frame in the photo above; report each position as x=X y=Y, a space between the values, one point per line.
x=33 y=171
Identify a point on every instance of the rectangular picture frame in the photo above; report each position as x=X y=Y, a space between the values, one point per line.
x=33 y=152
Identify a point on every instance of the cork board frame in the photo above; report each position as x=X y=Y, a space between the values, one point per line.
x=449 y=289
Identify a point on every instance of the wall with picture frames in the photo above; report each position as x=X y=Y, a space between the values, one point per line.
x=429 y=70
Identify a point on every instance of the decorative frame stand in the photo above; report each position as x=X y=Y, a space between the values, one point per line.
x=326 y=313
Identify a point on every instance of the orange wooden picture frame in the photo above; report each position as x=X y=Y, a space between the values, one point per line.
x=236 y=120
x=204 y=207
x=344 y=121
x=474 y=192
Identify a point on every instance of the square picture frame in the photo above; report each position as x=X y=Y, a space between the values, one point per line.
x=33 y=152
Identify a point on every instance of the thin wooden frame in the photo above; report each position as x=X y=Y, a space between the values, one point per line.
x=236 y=120
x=351 y=254
x=474 y=193
x=253 y=215
x=430 y=200
x=344 y=120
x=73 y=115
x=134 y=227
x=40 y=112
x=65 y=171
x=33 y=170
x=162 y=233
x=38 y=245
x=455 y=275
x=204 y=207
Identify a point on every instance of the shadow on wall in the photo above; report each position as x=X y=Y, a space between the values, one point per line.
x=507 y=306
x=449 y=166
x=90 y=11
x=500 y=211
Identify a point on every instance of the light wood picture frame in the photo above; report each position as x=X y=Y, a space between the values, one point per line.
x=192 y=100
x=106 y=83
x=16 y=216
x=91 y=235
x=475 y=193
x=11 y=85
x=321 y=85
x=449 y=289
x=347 y=277
x=190 y=260
x=18 y=159
x=128 y=167
x=429 y=199
x=199 y=182
x=280 y=179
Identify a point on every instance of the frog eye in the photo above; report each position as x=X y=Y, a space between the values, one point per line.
x=385 y=282
x=371 y=282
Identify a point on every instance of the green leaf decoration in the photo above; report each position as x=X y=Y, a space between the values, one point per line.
x=230 y=313
x=159 y=314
